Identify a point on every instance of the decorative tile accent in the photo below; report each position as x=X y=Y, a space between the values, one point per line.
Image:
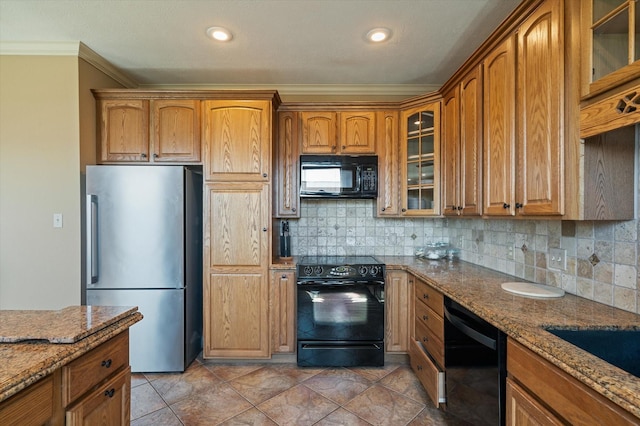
x=524 y=248
x=594 y=259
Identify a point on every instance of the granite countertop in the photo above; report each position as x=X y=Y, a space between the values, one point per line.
x=26 y=348
x=525 y=319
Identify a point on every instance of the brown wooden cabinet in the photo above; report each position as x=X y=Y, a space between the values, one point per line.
x=282 y=302
x=33 y=406
x=286 y=167
x=525 y=175
x=540 y=146
x=237 y=135
x=462 y=147
x=538 y=392
x=499 y=130
x=420 y=154
x=399 y=317
x=388 y=203
x=123 y=130
x=175 y=130
x=236 y=252
x=148 y=130
x=331 y=132
x=426 y=351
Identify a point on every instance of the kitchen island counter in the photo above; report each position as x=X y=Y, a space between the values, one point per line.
x=525 y=319
x=32 y=356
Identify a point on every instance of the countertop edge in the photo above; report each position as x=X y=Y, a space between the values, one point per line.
x=54 y=362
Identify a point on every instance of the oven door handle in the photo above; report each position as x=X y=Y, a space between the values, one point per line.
x=467 y=329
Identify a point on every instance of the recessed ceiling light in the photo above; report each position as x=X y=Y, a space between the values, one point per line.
x=378 y=35
x=219 y=33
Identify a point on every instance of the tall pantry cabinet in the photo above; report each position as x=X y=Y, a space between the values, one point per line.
x=238 y=136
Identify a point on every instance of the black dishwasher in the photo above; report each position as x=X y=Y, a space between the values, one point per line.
x=476 y=367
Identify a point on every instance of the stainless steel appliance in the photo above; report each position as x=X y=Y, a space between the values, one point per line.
x=144 y=248
x=339 y=176
x=476 y=369
x=340 y=312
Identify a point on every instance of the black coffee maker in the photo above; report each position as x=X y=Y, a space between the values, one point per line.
x=285 y=240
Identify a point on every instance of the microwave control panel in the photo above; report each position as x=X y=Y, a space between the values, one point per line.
x=369 y=179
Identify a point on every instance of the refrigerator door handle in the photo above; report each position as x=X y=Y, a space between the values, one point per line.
x=92 y=239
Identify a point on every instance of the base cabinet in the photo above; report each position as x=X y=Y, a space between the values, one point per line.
x=398 y=296
x=539 y=393
x=282 y=300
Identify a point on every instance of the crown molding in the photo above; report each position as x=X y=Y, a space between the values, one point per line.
x=67 y=48
x=337 y=90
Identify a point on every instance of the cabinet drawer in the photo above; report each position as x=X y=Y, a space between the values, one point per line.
x=111 y=401
x=433 y=321
x=431 y=343
x=92 y=368
x=430 y=296
x=32 y=406
x=428 y=373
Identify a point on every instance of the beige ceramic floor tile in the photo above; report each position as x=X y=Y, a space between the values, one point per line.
x=342 y=417
x=382 y=406
x=145 y=400
x=228 y=372
x=210 y=406
x=339 y=385
x=175 y=387
x=252 y=417
x=297 y=406
x=263 y=384
x=431 y=416
x=164 y=417
x=374 y=373
x=403 y=381
x=138 y=379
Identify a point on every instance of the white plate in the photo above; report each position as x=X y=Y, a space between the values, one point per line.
x=532 y=290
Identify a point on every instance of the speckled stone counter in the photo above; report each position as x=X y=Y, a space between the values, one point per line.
x=24 y=363
x=524 y=319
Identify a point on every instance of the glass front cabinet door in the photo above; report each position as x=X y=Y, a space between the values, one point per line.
x=421 y=156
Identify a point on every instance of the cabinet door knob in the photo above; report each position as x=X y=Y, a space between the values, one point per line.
x=284 y=276
x=143 y=155
x=425 y=339
x=384 y=208
x=404 y=210
x=425 y=296
x=110 y=392
x=155 y=155
x=506 y=206
x=264 y=229
x=106 y=364
x=293 y=209
x=264 y=175
x=459 y=207
x=426 y=318
x=519 y=205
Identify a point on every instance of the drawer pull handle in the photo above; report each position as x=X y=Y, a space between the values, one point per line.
x=419 y=368
x=110 y=392
x=107 y=363
x=425 y=296
x=426 y=318
x=425 y=339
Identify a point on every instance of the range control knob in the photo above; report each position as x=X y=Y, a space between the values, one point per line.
x=317 y=270
x=308 y=270
x=363 y=270
x=374 y=270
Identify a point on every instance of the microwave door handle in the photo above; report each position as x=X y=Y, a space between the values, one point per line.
x=358 y=178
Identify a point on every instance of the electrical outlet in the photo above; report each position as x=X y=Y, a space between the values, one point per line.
x=510 y=253
x=57 y=220
x=557 y=258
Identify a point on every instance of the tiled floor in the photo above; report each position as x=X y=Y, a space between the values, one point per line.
x=282 y=394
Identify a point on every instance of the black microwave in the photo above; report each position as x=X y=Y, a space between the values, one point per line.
x=339 y=176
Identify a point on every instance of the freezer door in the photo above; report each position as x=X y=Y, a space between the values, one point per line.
x=157 y=343
x=135 y=227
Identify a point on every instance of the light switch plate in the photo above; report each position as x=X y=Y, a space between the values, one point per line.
x=57 y=220
x=557 y=258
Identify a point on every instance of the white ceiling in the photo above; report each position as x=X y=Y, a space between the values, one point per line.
x=317 y=43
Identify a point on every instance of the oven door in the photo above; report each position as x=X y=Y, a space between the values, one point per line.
x=341 y=311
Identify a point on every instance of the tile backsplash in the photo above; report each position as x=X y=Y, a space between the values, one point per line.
x=602 y=258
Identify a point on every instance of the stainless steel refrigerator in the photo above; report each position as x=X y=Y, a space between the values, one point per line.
x=144 y=248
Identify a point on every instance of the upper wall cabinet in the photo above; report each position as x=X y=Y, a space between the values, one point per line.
x=175 y=130
x=612 y=45
x=420 y=153
x=285 y=167
x=148 y=131
x=123 y=130
x=462 y=147
x=237 y=137
x=388 y=203
x=524 y=175
x=330 y=132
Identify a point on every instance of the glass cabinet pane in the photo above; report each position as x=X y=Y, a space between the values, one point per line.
x=426 y=146
x=413 y=148
x=611 y=45
x=413 y=173
x=426 y=120
x=426 y=198
x=426 y=173
x=413 y=124
x=602 y=8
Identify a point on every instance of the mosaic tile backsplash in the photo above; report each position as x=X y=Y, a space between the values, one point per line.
x=602 y=258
